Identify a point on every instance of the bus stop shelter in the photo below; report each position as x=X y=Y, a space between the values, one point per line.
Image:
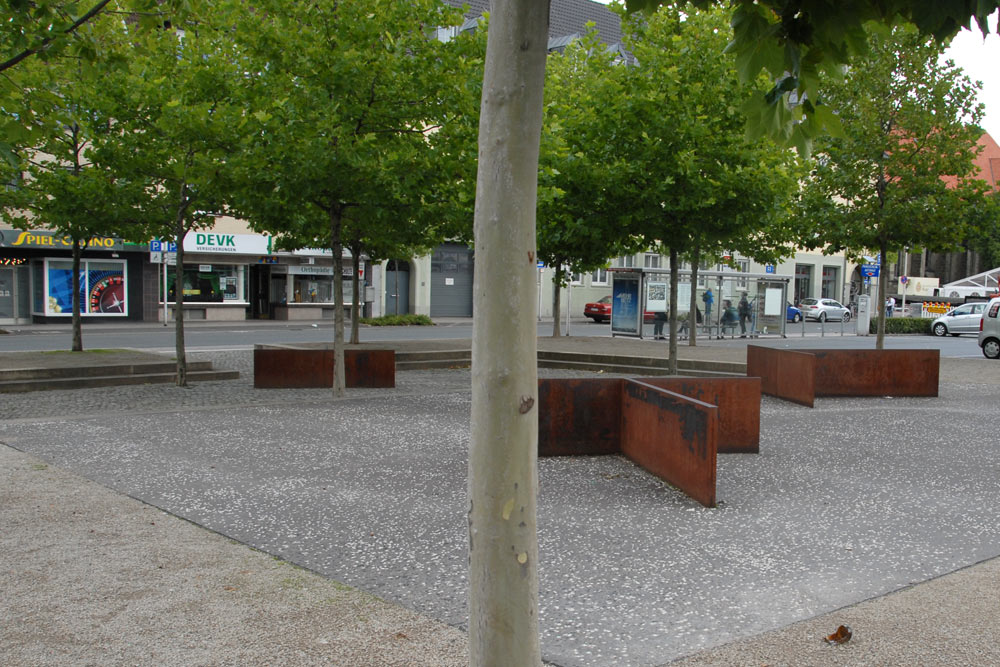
x=640 y=295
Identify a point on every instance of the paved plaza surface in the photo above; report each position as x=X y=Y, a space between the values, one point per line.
x=846 y=502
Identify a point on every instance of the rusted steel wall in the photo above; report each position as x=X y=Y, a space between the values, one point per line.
x=284 y=368
x=877 y=372
x=672 y=436
x=738 y=400
x=579 y=416
x=787 y=374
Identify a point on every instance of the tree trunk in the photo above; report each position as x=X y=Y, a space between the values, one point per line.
x=674 y=279
x=179 y=233
x=557 y=280
x=76 y=304
x=337 y=248
x=503 y=477
x=693 y=315
x=355 y=293
x=883 y=278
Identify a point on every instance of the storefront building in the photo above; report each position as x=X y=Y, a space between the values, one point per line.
x=36 y=278
x=226 y=277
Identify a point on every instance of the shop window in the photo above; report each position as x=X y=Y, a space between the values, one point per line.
x=201 y=285
x=103 y=288
x=829 y=286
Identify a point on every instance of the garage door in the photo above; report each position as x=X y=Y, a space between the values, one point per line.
x=451 y=281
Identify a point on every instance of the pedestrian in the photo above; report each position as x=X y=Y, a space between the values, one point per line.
x=744 y=311
x=658 y=321
x=709 y=299
x=890 y=305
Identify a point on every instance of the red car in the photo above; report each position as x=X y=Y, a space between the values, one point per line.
x=600 y=311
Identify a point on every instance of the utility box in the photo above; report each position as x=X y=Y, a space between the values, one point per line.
x=864 y=314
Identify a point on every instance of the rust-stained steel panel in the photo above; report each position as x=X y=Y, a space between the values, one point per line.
x=672 y=436
x=877 y=372
x=787 y=374
x=286 y=368
x=738 y=400
x=579 y=416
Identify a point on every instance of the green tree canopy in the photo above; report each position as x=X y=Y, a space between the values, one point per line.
x=903 y=174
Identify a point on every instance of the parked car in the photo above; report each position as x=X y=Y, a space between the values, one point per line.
x=792 y=314
x=960 y=320
x=600 y=310
x=989 y=330
x=824 y=309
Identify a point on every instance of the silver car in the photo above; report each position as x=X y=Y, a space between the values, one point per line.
x=824 y=309
x=964 y=319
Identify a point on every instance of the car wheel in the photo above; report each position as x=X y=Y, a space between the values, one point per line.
x=822 y=317
x=991 y=348
x=796 y=318
x=940 y=329
x=847 y=317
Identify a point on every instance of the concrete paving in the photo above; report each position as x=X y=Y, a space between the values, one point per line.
x=847 y=502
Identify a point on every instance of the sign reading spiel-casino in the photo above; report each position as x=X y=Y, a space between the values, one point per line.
x=40 y=238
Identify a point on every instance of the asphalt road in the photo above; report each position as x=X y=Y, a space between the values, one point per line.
x=203 y=336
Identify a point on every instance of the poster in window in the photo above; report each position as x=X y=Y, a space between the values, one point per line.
x=107 y=291
x=61 y=288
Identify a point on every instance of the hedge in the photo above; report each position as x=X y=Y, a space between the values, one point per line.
x=397 y=320
x=903 y=325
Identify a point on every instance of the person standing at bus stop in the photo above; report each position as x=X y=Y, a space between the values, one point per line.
x=890 y=306
x=709 y=299
x=743 y=308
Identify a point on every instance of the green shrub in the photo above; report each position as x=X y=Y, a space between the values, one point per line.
x=397 y=321
x=903 y=325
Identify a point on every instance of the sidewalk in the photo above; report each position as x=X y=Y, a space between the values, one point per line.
x=632 y=574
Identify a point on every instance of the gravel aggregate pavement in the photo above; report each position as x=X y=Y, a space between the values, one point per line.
x=219 y=524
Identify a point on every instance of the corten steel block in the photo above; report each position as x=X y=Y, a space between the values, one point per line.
x=877 y=372
x=738 y=400
x=283 y=368
x=672 y=436
x=787 y=374
x=579 y=416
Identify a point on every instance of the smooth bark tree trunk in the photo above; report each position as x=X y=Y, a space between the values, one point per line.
x=674 y=279
x=179 y=351
x=882 y=294
x=693 y=315
x=503 y=477
x=556 y=301
x=337 y=248
x=77 y=345
x=355 y=294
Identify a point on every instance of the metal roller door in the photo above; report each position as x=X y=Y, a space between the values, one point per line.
x=451 y=281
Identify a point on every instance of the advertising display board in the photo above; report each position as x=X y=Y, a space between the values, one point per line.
x=626 y=311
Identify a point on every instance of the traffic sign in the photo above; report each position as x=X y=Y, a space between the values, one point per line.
x=869 y=270
x=769 y=268
x=156 y=245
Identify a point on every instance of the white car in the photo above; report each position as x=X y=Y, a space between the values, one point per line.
x=824 y=309
x=989 y=330
x=960 y=320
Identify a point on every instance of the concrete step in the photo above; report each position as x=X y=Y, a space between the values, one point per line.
x=119 y=369
x=430 y=359
x=85 y=381
x=608 y=363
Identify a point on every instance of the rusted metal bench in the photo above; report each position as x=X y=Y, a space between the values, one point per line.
x=802 y=375
x=277 y=367
x=672 y=427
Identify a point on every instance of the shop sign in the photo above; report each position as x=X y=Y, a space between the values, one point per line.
x=230 y=244
x=40 y=238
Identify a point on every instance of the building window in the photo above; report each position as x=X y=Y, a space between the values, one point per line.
x=829 y=286
x=652 y=261
x=625 y=261
x=576 y=279
x=803 y=281
x=599 y=277
x=103 y=288
x=742 y=266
